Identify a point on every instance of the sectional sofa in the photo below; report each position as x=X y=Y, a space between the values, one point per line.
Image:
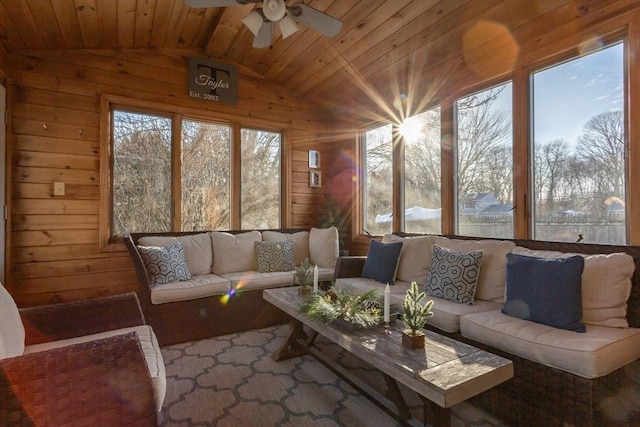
x=194 y=285
x=562 y=376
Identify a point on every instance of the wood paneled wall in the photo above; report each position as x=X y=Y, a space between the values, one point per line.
x=54 y=249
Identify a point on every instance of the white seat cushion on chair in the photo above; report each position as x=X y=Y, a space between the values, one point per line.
x=11 y=328
x=150 y=349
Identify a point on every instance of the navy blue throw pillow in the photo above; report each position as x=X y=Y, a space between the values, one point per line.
x=547 y=291
x=381 y=262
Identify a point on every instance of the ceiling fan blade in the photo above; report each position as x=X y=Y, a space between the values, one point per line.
x=313 y=18
x=265 y=35
x=217 y=3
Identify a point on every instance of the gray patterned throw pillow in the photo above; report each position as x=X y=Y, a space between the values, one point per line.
x=275 y=256
x=165 y=264
x=453 y=275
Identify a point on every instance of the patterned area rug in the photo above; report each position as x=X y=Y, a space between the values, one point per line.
x=232 y=381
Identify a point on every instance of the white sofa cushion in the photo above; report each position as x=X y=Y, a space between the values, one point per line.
x=606 y=285
x=150 y=350
x=197 y=249
x=11 y=328
x=415 y=257
x=595 y=353
x=249 y=280
x=234 y=252
x=200 y=286
x=300 y=242
x=493 y=273
x=324 y=247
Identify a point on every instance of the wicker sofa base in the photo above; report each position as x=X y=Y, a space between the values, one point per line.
x=183 y=321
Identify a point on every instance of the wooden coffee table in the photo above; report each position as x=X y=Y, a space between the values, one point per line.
x=444 y=373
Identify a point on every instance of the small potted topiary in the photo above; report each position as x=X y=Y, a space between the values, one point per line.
x=304 y=277
x=414 y=317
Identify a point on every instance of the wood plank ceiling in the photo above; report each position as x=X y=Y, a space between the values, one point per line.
x=380 y=39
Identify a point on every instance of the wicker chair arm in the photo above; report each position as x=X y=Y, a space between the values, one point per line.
x=75 y=319
x=349 y=266
x=102 y=382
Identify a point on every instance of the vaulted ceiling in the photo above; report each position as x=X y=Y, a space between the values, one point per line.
x=381 y=40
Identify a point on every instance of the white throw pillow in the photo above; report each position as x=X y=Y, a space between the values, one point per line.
x=415 y=257
x=323 y=247
x=233 y=253
x=197 y=249
x=300 y=242
x=606 y=285
x=493 y=273
x=11 y=328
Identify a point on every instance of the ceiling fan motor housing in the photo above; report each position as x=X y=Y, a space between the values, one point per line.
x=274 y=10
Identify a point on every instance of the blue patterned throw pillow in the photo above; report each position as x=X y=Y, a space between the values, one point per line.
x=453 y=275
x=164 y=264
x=275 y=256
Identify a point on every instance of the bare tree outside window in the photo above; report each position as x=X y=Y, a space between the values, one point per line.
x=205 y=176
x=378 y=194
x=422 y=185
x=579 y=149
x=260 y=182
x=141 y=173
x=484 y=154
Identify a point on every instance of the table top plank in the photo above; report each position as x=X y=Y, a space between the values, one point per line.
x=446 y=371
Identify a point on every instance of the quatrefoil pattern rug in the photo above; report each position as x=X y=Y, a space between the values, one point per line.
x=232 y=381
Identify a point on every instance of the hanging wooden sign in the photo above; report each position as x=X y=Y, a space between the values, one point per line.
x=212 y=81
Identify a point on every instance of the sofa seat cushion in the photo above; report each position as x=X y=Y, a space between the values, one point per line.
x=447 y=314
x=358 y=285
x=200 y=286
x=249 y=280
x=595 y=353
x=325 y=273
x=148 y=344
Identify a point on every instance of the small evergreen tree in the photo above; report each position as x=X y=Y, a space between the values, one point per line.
x=304 y=273
x=415 y=313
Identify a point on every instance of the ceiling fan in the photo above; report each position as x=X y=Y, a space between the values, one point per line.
x=262 y=21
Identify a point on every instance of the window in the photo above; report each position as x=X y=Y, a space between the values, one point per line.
x=579 y=149
x=484 y=156
x=378 y=191
x=422 y=187
x=141 y=180
x=260 y=183
x=146 y=170
x=206 y=176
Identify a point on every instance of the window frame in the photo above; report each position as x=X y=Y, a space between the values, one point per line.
x=108 y=103
x=567 y=49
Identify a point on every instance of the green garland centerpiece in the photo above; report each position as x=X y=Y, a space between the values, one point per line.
x=341 y=305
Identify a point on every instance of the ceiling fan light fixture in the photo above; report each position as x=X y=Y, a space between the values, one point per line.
x=254 y=22
x=274 y=10
x=287 y=26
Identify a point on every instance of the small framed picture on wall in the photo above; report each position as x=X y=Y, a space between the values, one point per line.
x=314 y=159
x=315 y=179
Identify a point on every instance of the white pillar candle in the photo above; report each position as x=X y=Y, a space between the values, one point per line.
x=387 y=302
x=315 y=279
